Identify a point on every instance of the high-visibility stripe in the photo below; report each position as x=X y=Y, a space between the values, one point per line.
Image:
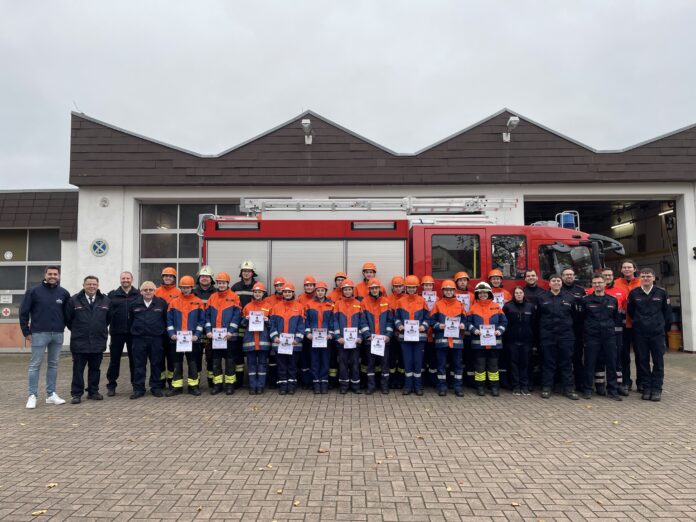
x=217 y=379
x=230 y=379
x=193 y=382
x=493 y=376
x=480 y=376
x=178 y=383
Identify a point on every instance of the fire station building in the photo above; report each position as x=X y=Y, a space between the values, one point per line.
x=138 y=201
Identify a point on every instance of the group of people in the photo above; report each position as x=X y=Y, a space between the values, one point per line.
x=356 y=337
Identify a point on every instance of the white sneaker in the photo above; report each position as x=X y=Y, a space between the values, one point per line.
x=31 y=402
x=53 y=399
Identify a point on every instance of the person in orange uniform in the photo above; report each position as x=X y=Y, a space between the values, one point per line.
x=412 y=307
x=462 y=294
x=485 y=311
x=287 y=317
x=628 y=282
x=500 y=295
x=319 y=315
x=309 y=283
x=369 y=270
x=335 y=295
x=168 y=291
x=185 y=313
x=270 y=302
x=256 y=345
x=380 y=321
x=430 y=358
x=448 y=307
x=396 y=365
x=223 y=311
x=349 y=313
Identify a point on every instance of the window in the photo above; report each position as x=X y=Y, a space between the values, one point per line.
x=553 y=259
x=509 y=255
x=452 y=253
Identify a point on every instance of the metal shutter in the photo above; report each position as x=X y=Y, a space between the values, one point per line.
x=389 y=255
x=294 y=259
x=226 y=256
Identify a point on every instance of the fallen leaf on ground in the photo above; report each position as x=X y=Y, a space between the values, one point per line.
x=296 y=503
x=269 y=466
x=514 y=504
x=39 y=512
x=390 y=456
x=279 y=491
x=449 y=488
x=420 y=437
x=323 y=450
x=200 y=508
x=588 y=406
x=616 y=423
x=51 y=485
x=600 y=502
x=22 y=424
x=568 y=441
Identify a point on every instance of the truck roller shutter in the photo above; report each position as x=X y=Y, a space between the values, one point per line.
x=294 y=259
x=388 y=254
x=226 y=255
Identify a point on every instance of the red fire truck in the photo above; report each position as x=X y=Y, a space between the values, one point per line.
x=295 y=248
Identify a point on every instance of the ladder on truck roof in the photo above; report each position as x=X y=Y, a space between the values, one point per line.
x=410 y=205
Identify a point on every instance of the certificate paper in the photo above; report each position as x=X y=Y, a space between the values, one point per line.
x=452 y=327
x=319 y=338
x=377 y=345
x=487 y=334
x=184 y=341
x=464 y=299
x=430 y=297
x=411 y=333
x=285 y=346
x=256 y=321
x=219 y=338
x=499 y=298
x=350 y=337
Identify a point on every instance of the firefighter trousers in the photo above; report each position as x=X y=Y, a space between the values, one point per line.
x=169 y=350
x=257 y=367
x=146 y=348
x=396 y=366
x=519 y=354
x=651 y=348
x=229 y=378
x=378 y=365
x=628 y=341
x=600 y=350
x=453 y=356
x=557 y=355
x=486 y=361
x=349 y=368
x=412 y=352
x=118 y=341
x=178 y=374
x=287 y=371
x=306 y=376
x=320 y=367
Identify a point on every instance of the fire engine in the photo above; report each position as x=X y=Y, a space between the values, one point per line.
x=417 y=245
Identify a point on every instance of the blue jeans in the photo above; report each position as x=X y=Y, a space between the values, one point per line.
x=39 y=342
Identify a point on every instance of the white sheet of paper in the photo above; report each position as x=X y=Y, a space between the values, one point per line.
x=319 y=338
x=377 y=345
x=285 y=346
x=219 y=338
x=184 y=341
x=464 y=299
x=499 y=298
x=430 y=299
x=452 y=327
x=411 y=333
x=487 y=334
x=350 y=336
x=256 y=321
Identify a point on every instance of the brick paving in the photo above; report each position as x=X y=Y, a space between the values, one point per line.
x=353 y=458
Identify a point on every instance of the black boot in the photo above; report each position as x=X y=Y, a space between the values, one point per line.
x=171 y=392
x=193 y=390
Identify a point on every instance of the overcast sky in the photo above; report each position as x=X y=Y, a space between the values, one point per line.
x=206 y=75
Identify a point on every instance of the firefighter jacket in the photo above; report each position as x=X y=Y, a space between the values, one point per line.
x=148 y=321
x=362 y=290
x=412 y=307
x=501 y=296
x=575 y=290
x=627 y=287
x=394 y=301
x=533 y=293
x=167 y=292
x=305 y=298
x=223 y=311
x=557 y=315
x=349 y=313
x=319 y=314
x=379 y=316
x=522 y=322
x=255 y=341
x=651 y=312
x=618 y=293
x=121 y=303
x=447 y=307
x=273 y=300
x=204 y=294
x=288 y=317
x=88 y=324
x=486 y=312
x=186 y=312
x=600 y=316
x=244 y=291
x=335 y=295
x=463 y=297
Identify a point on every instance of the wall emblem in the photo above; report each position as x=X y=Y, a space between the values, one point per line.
x=99 y=248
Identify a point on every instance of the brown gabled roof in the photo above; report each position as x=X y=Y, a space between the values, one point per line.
x=55 y=208
x=102 y=154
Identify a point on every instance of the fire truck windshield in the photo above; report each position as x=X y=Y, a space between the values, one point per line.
x=553 y=259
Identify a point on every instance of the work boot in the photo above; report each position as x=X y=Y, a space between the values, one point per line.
x=480 y=391
x=601 y=389
x=111 y=392
x=419 y=392
x=656 y=396
x=586 y=395
x=442 y=393
x=171 y=392
x=229 y=389
x=385 y=390
x=623 y=390
x=157 y=393
x=458 y=392
x=571 y=395
x=215 y=389
x=406 y=391
x=545 y=394
x=646 y=395
x=495 y=391
x=137 y=394
x=193 y=390
x=615 y=397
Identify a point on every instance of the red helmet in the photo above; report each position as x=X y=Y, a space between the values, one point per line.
x=169 y=270
x=309 y=280
x=369 y=266
x=461 y=275
x=374 y=282
x=259 y=286
x=397 y=280
x=411 y=280
x=427 y=279
x=495 y=273
x=347 y=283
x=187 y=281
x=288 y=286
x=222 y=276
x=322 y=284
x=448 y=283
x=280 y=280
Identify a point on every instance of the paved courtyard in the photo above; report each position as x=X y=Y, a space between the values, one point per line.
x=357 y=458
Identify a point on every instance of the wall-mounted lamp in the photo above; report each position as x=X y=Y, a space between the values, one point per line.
x=307 y=128
x=670 y=211
x=512 y=124
x=619 y=225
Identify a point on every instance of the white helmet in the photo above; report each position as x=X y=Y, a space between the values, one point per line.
x=206 y=271
x=483 y=287
x=246 y=265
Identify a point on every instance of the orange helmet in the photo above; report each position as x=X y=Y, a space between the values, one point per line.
x=347 y=283
x=369 y=266
x=310 y=280
x=259 y=286
x=222 y=276
x=411 y=280
x=288 y=286
x=374 y=282
x=280 y=280
x=461 y=275
x=397 y=280
x=322 y=284
x=187 y=281
x=427 y=279
x=495 y=273
x=340 y=274
x=169 y=270
x=448 y=283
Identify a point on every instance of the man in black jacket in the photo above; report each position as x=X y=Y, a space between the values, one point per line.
x=121 y=300
x=88 y=315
